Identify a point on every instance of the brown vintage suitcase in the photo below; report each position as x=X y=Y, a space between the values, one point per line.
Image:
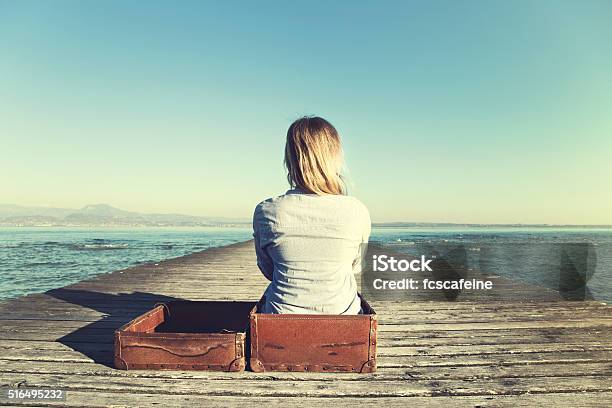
x=185 y=335
x=324 y=343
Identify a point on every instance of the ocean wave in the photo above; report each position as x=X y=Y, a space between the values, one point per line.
x=46 y=243
x=99 y=246
x=49 y=263
x=11 y=245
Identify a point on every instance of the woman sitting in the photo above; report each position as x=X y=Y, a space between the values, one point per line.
x=310 y=241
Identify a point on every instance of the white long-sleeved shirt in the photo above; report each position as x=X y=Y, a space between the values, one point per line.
x=310 y=246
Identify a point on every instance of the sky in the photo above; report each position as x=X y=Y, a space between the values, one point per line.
x=468 y=112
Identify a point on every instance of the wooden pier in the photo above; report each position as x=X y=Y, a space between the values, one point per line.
x=502 y=350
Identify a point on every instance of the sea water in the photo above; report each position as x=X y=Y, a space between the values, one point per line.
x=39 y=259
x=535 y=256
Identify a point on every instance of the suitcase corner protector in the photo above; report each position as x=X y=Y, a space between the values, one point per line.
x=369 y=366
x=256 y=365
x=120 y=364
x=237 y=365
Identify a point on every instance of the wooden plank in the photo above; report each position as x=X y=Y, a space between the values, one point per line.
x=80 y=398
x=315 y=388
x=104 y=356
x=471 y=373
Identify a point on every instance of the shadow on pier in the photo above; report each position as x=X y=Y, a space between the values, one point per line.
x=95 y=340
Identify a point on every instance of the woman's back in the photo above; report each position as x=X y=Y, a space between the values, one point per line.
x=309 y=246
x=310 y=241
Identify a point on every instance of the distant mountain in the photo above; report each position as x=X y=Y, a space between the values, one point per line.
x=103 y=215
x=105 y=210
x=10 y=210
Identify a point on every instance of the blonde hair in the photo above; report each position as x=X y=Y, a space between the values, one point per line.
x=313 y=156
